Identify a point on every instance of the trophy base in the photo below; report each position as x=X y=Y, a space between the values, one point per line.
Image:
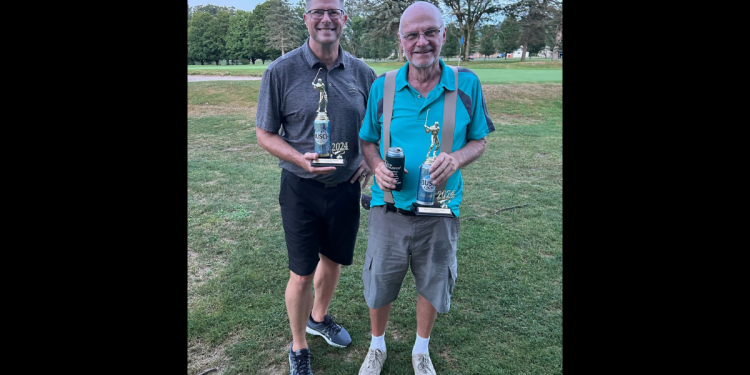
x=433 y=210
x=325 y=162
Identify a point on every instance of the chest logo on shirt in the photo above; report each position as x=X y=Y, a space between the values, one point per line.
x=339 y=148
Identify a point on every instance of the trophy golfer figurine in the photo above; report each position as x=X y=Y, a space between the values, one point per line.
x=425 y=204
x=320 y=86
x=435 y=140
x=323 y=129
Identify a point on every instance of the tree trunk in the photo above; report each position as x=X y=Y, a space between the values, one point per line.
x=558 y=38
x=400 y=52
x=466 y=49
x=253 y=60
x=201 y=62
x=523 y=53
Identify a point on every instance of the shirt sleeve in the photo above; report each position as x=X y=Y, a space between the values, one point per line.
x=371 y=125
x=481 y=124
x=268 y=113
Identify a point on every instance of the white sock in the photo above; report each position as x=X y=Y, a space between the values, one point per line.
x=378 y=342
x=420 y=346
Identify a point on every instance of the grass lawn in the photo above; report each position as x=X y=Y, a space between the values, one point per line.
x=490 y=71
x=506 y=312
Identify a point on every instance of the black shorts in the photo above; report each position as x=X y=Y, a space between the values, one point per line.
x=318 y=219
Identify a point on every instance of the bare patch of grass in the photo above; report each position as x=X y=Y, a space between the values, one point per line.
x=200 y=270
x=397 y=336
x=205 y=110
x=446 y=355
x=519 y=92
x=526 y=104
x=202 y=357
x=275 y=370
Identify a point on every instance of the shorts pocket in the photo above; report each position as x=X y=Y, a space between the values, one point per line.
x=367 y=272
x=452 y=277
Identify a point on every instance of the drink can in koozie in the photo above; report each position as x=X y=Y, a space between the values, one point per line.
x=394 y=161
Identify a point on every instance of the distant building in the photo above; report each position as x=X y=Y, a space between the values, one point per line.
x=516 y=53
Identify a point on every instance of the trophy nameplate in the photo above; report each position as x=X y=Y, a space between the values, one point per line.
x=323 y=162
x=434 y=210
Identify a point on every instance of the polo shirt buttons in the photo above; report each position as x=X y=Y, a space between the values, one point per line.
x=419 y=96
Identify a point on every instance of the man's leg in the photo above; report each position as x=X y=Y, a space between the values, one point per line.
x=379 y=319
x=326 y=278
x=299 y=301
x=426 y=315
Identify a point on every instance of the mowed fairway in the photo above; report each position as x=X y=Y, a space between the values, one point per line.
x=506 y=312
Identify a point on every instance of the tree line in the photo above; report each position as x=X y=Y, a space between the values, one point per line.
x=275 y=27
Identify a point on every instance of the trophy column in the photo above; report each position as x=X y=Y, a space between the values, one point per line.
x=322 y=131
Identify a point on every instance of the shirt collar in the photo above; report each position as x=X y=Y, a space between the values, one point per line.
x=313 y=60
x=447 y=80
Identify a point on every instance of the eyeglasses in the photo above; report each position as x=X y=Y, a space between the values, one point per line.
x=428 y=34
x=317 y=14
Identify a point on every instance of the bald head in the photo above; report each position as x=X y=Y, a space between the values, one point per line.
x=421 y=7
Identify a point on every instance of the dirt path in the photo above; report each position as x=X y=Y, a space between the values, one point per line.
x=196 y=78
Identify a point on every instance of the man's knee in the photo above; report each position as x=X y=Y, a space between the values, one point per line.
x=300 y=282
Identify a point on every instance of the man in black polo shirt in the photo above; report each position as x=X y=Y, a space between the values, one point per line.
x=319 y=205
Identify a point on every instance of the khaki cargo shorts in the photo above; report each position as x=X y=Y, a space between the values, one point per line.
x=395 y=242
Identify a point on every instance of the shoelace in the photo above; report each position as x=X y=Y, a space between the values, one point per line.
x=333 y=328
x=424 y=361
x=377 y=353
x=302 y=364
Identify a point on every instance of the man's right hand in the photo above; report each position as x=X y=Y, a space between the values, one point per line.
x=385 y=178
x=306 y=163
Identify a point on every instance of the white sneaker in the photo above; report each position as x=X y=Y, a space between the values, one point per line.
x=422 y=364
x=373 y=362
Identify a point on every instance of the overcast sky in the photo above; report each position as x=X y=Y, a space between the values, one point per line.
x=248 y=5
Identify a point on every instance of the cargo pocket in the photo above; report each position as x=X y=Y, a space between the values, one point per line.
x=452 y=277
x=367 y=273
x=449 y=288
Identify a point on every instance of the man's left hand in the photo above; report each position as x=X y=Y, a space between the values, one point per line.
x=443 y=167
x=363 y=173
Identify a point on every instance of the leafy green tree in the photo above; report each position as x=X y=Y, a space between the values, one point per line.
x=213 y=9
x=488 y=43
x=535 y=20
x=510 y=32
x=452 y=44
x=223 y=17
x=469 y=14
x=299 y=21
x=281 y=32
x=355 y=34
x=257 y=44
x=237 y=33
x=205 y=42
x=558 y=36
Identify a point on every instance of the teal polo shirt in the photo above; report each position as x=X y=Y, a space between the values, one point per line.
x=407 y=127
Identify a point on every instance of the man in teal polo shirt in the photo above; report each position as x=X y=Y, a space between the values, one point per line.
x=398 y=239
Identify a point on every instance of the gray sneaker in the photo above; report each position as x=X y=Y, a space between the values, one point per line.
x=373 y=362
x=334 y=334
x=422 y=364
x=299 y=362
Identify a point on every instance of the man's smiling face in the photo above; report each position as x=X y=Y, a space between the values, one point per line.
x=325 y=31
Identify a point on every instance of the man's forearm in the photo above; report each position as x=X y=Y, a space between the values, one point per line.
x=371 y=152
x=278 y=147
x=470 y=152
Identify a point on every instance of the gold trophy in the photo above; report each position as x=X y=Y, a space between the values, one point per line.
x=323 y=130
x=425 y=204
